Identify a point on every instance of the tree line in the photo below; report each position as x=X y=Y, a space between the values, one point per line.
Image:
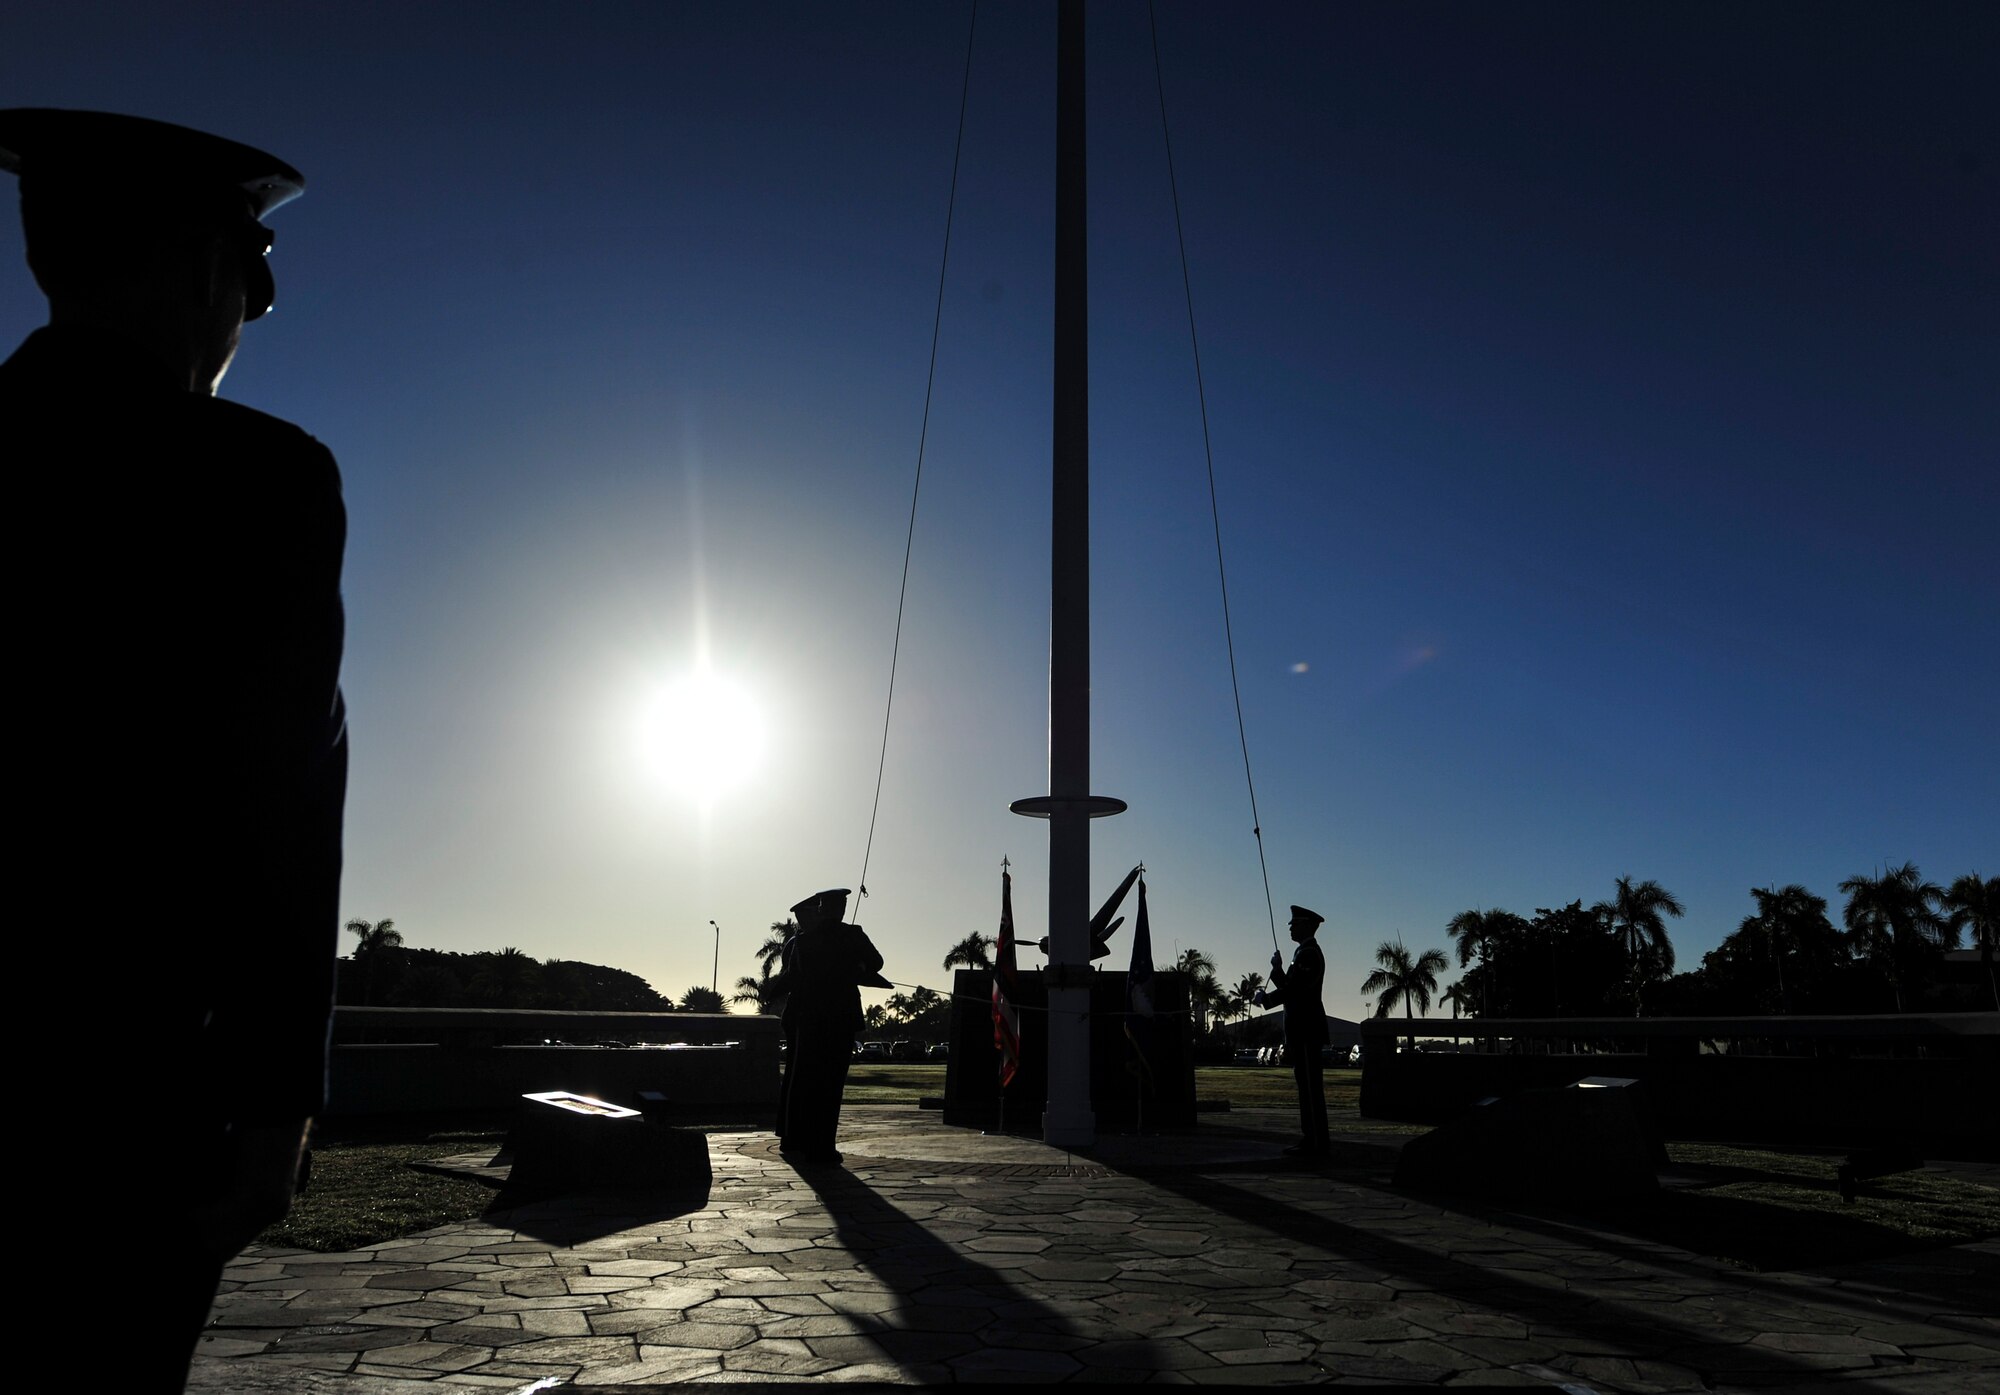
x=1615 y=957
x=1786 y=956
x=383 y=971
x=1612 y=958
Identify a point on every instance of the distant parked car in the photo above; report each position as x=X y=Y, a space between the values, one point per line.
x=874 y=1051
x=906 y=1050
x=1247 y=1056
x=940 y=1051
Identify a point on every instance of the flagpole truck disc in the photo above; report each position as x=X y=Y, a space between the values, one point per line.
x=1096 y=806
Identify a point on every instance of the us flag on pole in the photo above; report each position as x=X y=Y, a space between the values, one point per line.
x=1006 y=1025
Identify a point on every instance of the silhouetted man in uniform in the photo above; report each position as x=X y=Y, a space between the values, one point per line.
x=824 y=966
x=178 y=744
x=1299 y=993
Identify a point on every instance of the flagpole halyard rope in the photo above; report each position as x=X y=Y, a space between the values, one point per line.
x=923 y=437
x=1208 y=452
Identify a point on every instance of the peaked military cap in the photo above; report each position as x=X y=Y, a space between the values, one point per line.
x=839 y=892
x=1311 y=920
x=110 y=153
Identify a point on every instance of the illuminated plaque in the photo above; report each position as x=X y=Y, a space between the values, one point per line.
x=583 y=1104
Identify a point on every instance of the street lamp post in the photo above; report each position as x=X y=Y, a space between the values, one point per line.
x=715 y=966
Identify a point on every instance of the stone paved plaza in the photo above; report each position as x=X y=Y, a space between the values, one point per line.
x=936 y=1255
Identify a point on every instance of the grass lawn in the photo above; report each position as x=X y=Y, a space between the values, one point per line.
x=363 y=1190
x=1270 y=1087
x=1243 y=1087
x=1760 y=1208
x=893 y=1084
x=1779 y=1210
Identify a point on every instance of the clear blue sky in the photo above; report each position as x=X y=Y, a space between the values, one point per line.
x=1603 y=404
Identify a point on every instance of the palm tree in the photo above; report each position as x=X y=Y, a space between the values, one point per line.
x=506 y=977
x=1404 y=980
x=929 y=1011
x=1192 y=961
x=971 y=952
x=1974 y=905
x=756 y=991
x=374 y=937
x=1892 y=918
x=1477 y=934
x=1240 y=997
x=1458 y=997
x=700 y=999
x=1784 y=924
x=1204 y=992
x=1633 y=916
x=774 y=944
x=1226 y=1008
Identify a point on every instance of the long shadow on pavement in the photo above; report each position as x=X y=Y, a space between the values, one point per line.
x=1962 y=1283
x=956 y=1318
x=1651 y=1336
x=1774 y=1241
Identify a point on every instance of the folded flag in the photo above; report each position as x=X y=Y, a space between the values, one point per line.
x=1139 y=994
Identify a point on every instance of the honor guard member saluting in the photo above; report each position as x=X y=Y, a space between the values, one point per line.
x=823 y=968
x=181 y=743
x=1299 y=993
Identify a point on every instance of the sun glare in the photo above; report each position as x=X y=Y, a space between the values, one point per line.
x=703 y=736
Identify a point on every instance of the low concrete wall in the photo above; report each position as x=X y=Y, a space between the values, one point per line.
x=1842 y=1081
x=443 y=1059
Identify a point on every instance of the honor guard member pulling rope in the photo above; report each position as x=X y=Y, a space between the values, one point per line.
x=1298 y=992
x=823 y=967
x=180 y=743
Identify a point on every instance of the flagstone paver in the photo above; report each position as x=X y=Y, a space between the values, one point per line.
x=936 y=1256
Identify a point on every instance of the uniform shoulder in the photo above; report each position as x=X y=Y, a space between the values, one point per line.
x=259 y=430
x=254 y=456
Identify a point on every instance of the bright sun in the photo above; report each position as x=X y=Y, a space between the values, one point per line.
x=703 y=736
